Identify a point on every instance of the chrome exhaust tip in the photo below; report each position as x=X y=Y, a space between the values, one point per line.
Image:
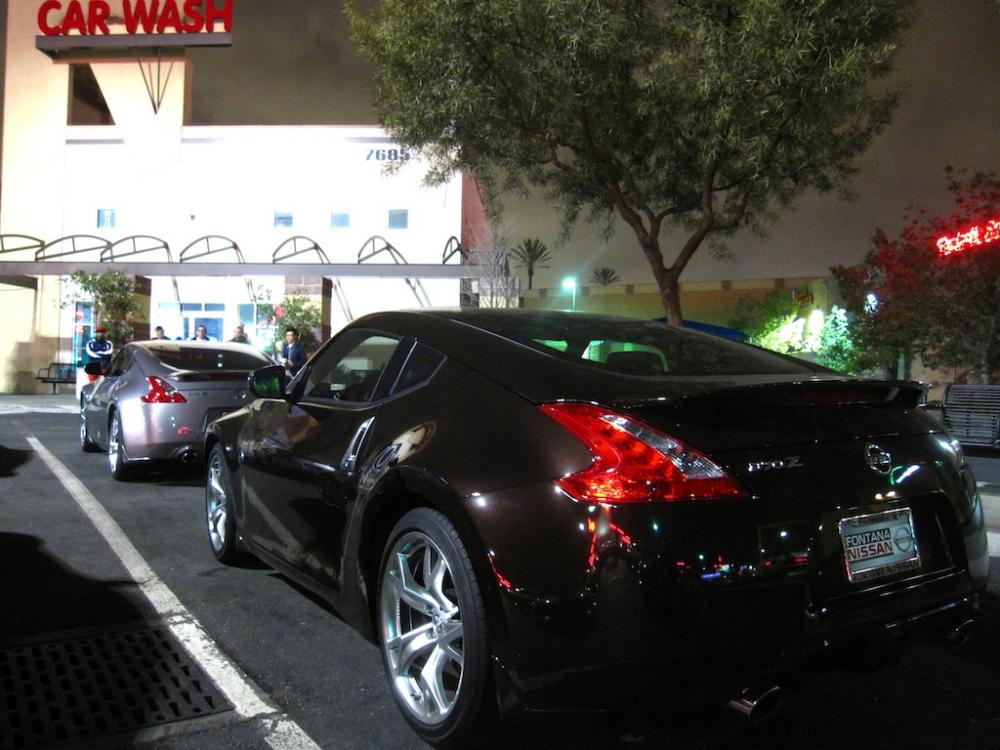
x=755 y=705
x=189 y=458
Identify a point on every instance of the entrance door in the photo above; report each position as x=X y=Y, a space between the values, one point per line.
x=210 y=314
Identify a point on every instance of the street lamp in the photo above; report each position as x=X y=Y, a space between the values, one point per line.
x=569 y=284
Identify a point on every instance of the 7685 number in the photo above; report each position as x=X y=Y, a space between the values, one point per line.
x=387 y=154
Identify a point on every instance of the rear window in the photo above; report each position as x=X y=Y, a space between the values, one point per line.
x=637 y=347
x=208 y=358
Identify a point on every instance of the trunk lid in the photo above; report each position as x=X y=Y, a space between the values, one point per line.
x=776 y=415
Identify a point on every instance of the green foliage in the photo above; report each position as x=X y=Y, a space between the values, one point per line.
x=115 y=303
x=945 y=309
x=302 y=313
x=837 y=350
x=529 y=255
x=702 y=114
x=605 y=276
x=767 y=321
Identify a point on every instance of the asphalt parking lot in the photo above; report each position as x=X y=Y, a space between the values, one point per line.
x=132 y=602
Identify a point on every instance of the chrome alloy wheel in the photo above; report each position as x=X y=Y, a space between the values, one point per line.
x=114 y=443
x=421 y=628
x=216 y=502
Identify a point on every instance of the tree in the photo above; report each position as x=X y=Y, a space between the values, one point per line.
x=605 y=276
x=301 y=313
x=529 y=255
x=115 y=304
x=887 y=298
x=907 y=299
x=964 y=326
x=763 y=320
x=703 y=115
x=837 y=350
x=493 y=284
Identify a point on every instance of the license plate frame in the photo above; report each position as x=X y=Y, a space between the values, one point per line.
x=877 y=545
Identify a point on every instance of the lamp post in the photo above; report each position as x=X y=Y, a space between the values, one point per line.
x=569 y=284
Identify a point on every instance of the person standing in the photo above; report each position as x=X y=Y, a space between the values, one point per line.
x=240 y=335
x=293 y=356
x=99 y=349
x=200 y=334
x=158 y=334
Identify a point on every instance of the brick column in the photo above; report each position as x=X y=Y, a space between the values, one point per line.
x=143 y=293
x=319 y=290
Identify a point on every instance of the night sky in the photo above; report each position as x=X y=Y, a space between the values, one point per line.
x=293 y=63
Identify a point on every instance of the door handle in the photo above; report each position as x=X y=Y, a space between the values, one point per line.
x=350 y=459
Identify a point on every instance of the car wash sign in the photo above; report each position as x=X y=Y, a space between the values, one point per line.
x=129 y=24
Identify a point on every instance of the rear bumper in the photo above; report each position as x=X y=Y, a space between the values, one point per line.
x=164 y=432
x=688 y=605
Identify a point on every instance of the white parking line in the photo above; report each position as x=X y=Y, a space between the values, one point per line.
x=249 y=701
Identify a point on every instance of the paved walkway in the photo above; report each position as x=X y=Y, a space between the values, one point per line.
x=41 y=404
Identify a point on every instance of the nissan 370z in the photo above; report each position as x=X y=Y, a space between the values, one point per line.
x=557 y=511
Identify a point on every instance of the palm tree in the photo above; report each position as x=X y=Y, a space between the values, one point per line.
x=529 y=255
x=605 y=276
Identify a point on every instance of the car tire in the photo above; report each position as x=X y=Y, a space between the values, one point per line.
x=432 y=631
x=86 y=444
x=219 y=516
x=117 y=460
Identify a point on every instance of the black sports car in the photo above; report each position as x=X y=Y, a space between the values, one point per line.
x=566 y=511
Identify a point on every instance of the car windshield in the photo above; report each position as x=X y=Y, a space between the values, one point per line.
x=637 y=347
x=182 y=357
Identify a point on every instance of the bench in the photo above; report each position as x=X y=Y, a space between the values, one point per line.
x=56 y=373
x=972 y=414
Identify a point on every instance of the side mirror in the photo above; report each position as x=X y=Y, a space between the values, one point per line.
x=268 y=382
x=93 y=368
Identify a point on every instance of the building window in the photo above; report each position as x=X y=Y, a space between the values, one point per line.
x=399 y=219
x=283 y=219
x=105 y=218
x=86 y=102
x=340 y=220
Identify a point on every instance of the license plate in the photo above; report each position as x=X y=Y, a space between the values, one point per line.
x=879 y=544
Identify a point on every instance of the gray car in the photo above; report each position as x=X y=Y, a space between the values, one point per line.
x=157 y=398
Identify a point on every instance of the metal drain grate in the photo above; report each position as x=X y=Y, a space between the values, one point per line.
x=80 y=689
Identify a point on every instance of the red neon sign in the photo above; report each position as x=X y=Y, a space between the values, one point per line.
x=140 y=17
x=978 y=236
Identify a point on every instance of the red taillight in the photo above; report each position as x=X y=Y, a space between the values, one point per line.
x=635 y=463
x=161 y=392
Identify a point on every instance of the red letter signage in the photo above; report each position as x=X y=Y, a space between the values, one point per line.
x=140 y=17
x=977 y=236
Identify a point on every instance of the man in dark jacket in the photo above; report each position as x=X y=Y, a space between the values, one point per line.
x=293 y=356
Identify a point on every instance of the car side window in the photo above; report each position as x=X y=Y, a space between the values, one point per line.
x=121 y=362
x=422 y=363
x=350 y=370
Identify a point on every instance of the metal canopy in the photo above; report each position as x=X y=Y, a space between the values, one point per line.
x=125 y=45
x=370 y=270
x=98 y=255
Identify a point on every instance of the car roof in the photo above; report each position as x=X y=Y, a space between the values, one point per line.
x=540 y=377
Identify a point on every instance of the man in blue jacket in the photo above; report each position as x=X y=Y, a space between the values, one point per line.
x=99 y=349
x=293 y=356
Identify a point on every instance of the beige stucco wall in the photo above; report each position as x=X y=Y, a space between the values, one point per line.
x=35 y=136
x=706 y=302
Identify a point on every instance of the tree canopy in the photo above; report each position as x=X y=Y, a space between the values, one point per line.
x=708 y=115
x=945 y=308
x=115 y=303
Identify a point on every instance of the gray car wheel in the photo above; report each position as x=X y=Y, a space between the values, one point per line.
x=222 y=535
x=86 y=444
x=432 y=630
x=120 y=469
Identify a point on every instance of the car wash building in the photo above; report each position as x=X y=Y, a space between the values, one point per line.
x=217 y=224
